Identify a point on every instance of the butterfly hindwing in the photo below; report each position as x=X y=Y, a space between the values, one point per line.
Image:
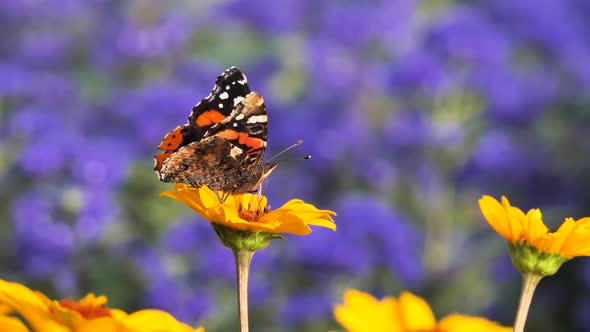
x=246 y=127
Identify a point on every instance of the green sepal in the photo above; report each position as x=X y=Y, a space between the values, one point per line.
x=244 y=240
x=528 y=259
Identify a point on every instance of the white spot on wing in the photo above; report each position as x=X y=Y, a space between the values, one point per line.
x=224 y=96
x=235 y=124
x=237 y=100
x=239 y=116
x=235 y=151
x=227 y=87
x=257 y=119
x=220 y=105
x=244 y=81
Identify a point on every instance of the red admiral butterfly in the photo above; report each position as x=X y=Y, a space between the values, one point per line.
x=223 y=143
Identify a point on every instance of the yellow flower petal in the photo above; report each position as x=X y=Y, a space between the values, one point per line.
x=516 y=220
x=12 y=324
x=534 y=224
x=198 y=199
x=150 y=320
x=361 y=312
x=416 y=313
x=460 y=323
x=578 y=240
x=496 y=216
x=29 y=305
x=104 y=324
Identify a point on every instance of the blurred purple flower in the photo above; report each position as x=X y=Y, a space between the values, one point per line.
x=347 y=138
x=502 y=270
x=335 y=16
x=369 y=234
x=166 y=291
x=325 y=253
x=498 y=153
x=98 y=211
x=575 y=62
x=534 y=24
x=15 y=80
x=44 y=49
x=465 y=34
x=100 y=164
x=420 y=71
x=305 y=307
x=267 y=15
x=188 y=236
x=216 y=262
x=156 y=109
x=47 y=153
x=29 y=121
x=181 y=301
x=44 y=245
x=408 y=131
x=332 y=68
x=140 y=40
x=380 y=173
x=513 y=97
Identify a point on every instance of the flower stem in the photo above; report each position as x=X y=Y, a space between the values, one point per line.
x=529 y=283
x=243 y=258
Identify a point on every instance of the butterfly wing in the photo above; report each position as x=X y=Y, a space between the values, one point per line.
x=230 y=88
x=246 y=127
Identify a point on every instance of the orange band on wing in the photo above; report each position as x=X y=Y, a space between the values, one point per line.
x=252 y=142
x=210 y=117
x=172 y=140
x=159 y=158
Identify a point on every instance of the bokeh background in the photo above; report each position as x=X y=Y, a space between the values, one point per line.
x=412 y=110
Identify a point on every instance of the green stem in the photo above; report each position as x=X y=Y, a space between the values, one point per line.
x=529 y=283
x=243 y=258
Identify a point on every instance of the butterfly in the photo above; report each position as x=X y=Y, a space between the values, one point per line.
x=223 y=143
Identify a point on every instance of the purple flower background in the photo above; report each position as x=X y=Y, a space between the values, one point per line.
x=411 y=110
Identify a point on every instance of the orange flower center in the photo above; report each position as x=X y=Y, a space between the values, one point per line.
x=250 y=216
x=87 y=311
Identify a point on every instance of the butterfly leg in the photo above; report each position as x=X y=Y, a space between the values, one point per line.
x=220 y=198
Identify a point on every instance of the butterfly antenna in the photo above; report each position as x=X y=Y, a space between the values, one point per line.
x=299 y=142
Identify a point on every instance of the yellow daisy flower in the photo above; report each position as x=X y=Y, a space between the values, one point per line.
x=536 y=252
x=248 y=212
x=361 y=312
x=90 y=314
x=246 y=224
x=531 y=242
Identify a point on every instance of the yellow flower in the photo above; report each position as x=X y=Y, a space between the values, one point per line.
x=571 y=239
x=361 y=312
x=90 y=314
x=248 y=212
